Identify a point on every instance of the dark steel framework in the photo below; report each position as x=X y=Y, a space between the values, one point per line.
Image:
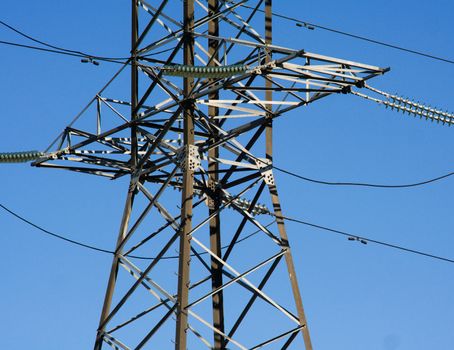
x=194 y=148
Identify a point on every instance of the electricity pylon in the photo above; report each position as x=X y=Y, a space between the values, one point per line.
x=197 y=148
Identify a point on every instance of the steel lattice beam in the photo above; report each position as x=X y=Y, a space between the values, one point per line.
x=197 y=149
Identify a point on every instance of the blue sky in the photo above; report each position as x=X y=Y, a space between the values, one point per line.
x=356 y=296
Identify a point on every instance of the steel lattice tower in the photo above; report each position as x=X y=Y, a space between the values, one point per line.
x=197 y=148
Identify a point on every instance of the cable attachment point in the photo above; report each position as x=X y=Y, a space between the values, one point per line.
x=363 y=241
x=266 y=169
x=90 y=60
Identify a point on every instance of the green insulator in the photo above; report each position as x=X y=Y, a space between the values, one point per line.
x=203 y=71
x=18 y=157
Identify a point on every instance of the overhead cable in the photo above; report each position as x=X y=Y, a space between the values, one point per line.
x=362 y=184
x=350 y=236
x=310 y=25
x=366 y=240
x=92 y=247
x=57 y=47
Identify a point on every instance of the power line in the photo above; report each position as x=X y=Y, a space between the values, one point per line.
x=328 y=229
x=310 y=25
x=65 y=51
x=101 y=250
x=366 y=240
x=10 y=43
x=69 y=53
x=425 y=182
x=57 y=47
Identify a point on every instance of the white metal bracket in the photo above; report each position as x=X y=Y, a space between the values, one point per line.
x=266 y=169
x=190 y=155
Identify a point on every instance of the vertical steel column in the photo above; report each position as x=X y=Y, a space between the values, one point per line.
x=188 y=183
x=134 y=78
x=274 y=194
x=268 y=83
x=214 y=201
x=132 y=186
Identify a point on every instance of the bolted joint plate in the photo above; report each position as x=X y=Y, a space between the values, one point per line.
x=266 y=169
x=190 y=156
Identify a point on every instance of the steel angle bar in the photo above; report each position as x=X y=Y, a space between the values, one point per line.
x=102 y=140
x=242 y=180
x=307 y=81
x=247 y=43
x=156 y=140
x=179 y=33
x=160 y=208
x=245 y=280
x=323 y=70
x=289 y=341
x=137 y=274
x=150 y=24
x=104 y=162
x=155 y=328
x=243 y=27
x=119 y=102
x=169 y=297
x=155 y=81
x=162 y=228
x=139 y=280
x=243 y=153
x=146 y=281
x=233 y=140
x=253 y=102
x=254 y=221
x=114 y=343
x=245 y=24
x=254 y=297
x=172 y=34
x=231 y=106
x=144 y=213
x=289 y=91
x=151 y=10
x=200 y=319
x=233 y=133
x=122 y=117
x=88 y=105
x=234 y=116
x=344 y=62
x=241 y=226
x=274 y=339
x=92 y=171
x=286 y=89
x=234 y=280
x=229 y=201
x=235 y=163
x=138 y=316
x=312 y=76
x=164 y=84
x=160 y=82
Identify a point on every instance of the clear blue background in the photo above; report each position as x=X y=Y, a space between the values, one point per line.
x=356 y=296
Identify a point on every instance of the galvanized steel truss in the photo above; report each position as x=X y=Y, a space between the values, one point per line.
x=209 y=138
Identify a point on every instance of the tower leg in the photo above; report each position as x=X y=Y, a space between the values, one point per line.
x=213 y=168
x=188 y=185
x=274 y=194
x=114 y=268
